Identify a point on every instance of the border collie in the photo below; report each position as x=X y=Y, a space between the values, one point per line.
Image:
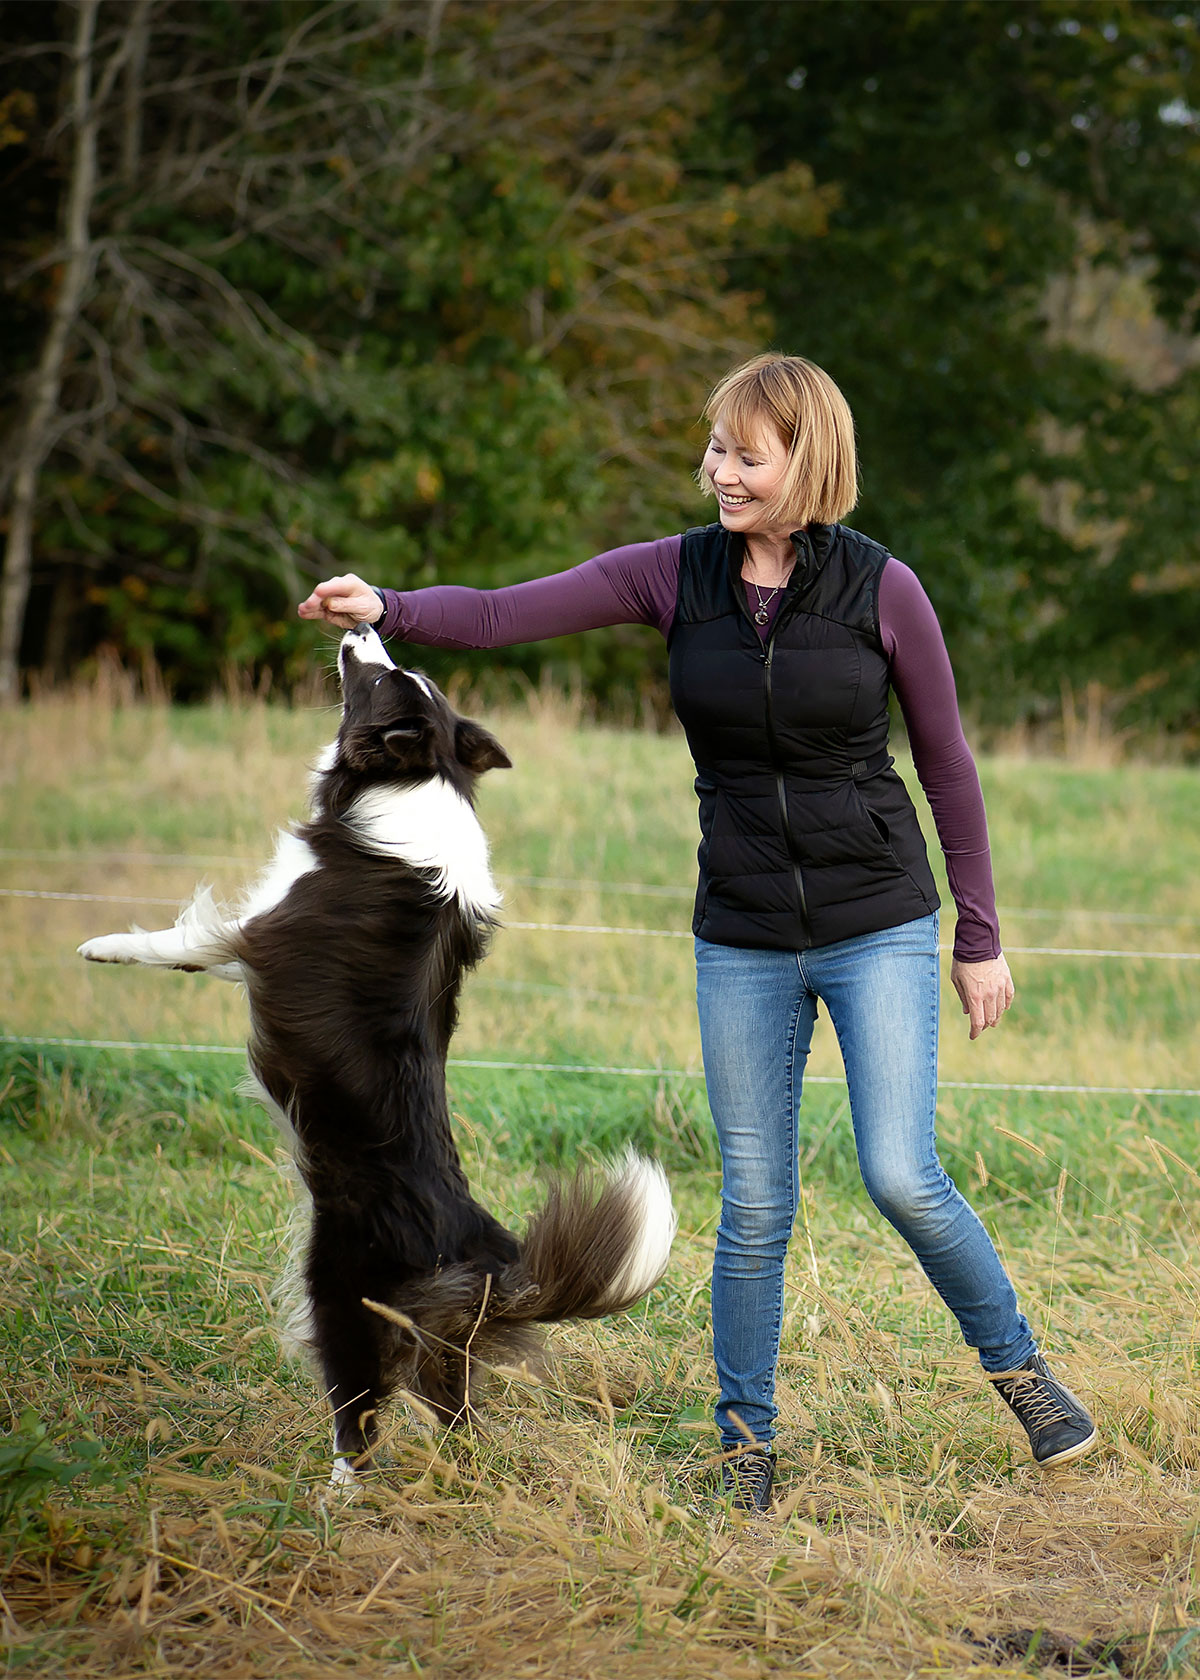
x=352 y=947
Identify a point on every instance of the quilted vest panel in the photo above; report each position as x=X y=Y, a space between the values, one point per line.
x=808 y=835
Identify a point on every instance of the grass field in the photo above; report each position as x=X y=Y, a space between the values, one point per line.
x=161 y=1486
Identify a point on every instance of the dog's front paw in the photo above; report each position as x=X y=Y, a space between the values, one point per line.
x=109 y=948
x=344 y=1483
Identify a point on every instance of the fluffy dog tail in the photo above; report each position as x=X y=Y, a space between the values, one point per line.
x=597 y=1245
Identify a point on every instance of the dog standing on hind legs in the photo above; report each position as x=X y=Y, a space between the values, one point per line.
x=352 y=947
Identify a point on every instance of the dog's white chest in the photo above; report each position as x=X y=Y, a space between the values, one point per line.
x=430 y=826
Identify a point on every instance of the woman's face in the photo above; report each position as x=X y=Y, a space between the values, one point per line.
x=746 y=473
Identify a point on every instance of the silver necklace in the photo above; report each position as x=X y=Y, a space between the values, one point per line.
x=764 y=602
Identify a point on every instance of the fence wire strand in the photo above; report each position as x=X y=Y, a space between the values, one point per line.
x=552 y=883
x=24 y=1041
x=1093 y=952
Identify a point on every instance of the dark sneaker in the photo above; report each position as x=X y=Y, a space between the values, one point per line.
x=1058 y=1427
x=748 y=1477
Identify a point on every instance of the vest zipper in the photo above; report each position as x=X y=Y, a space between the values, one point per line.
x=780 y=785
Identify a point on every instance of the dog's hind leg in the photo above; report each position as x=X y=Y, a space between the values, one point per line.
x=351 y=1343
x=348 y=1346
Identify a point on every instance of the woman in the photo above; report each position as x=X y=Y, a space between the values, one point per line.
x=786 y=630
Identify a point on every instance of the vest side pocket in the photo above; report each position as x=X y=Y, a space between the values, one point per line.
x=885 y=833
x=879 y=824
x=915 y=866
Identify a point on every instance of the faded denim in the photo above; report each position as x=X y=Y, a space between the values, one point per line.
x=757 y=1011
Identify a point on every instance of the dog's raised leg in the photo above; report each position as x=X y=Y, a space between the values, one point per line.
x=202 y=940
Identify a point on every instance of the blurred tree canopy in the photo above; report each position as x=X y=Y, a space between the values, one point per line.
x=433 y=290
x=1007 y=290
x=413 y=289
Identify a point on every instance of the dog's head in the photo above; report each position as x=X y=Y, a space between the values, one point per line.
x=398 y=726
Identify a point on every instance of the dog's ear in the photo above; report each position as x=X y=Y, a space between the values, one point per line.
x=478 y=749
x=401 y=737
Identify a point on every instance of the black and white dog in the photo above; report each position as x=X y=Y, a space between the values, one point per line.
x=352 y=948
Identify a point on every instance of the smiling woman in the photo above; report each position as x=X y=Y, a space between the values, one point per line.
x=781 y=454
x=786 y=631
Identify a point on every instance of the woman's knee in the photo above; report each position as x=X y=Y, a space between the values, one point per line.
x=909 y=1196
x=758 y=1227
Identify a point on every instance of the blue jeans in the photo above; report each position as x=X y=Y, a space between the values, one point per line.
x=757 y=1012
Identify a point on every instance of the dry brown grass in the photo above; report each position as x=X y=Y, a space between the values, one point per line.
x=545 y=1544
x=562 y=1536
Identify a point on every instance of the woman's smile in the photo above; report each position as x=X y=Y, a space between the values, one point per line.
x=745 y=473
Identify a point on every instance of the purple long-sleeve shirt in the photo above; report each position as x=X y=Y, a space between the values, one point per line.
x=637 y=584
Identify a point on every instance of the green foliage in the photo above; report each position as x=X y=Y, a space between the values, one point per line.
x=978 y=151
x=437 y=299
x=34 y=1465
x=375 y=305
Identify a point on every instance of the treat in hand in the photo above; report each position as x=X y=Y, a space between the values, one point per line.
x=344 y=601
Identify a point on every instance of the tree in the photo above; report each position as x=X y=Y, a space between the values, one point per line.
x=984 y=153
x=370 y=286
x=37 y=436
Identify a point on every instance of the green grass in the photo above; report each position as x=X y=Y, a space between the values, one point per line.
x=160 y=1484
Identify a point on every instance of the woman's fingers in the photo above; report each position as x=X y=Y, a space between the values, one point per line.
x=344 y=601
x=985 y=991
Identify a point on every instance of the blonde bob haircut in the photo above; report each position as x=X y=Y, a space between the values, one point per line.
x=811 y=418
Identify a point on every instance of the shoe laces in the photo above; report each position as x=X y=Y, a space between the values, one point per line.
x=1034 y=1397
x=749 y=1473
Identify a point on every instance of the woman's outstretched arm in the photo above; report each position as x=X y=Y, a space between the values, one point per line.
x=631 y=585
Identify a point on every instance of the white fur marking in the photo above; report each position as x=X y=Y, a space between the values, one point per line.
x=200 y=938
x=293 y=857
x=322 y=765
x=430 y=826
x=646 y=1184
x=204 y=935
x=368 y=649
x=422 y=682
x=343 y=1474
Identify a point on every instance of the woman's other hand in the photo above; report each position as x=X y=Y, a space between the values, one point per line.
x=345 y=601
x=985 y=990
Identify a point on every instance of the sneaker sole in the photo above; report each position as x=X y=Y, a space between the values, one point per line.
x=1070 y=1453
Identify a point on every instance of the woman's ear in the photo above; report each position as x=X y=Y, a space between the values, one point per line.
x=478 y=749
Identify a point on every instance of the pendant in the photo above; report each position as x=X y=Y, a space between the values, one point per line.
x=761 y=616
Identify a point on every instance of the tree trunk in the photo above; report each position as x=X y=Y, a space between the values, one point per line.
x=46 y=382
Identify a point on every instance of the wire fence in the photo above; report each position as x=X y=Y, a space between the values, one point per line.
x=563 y=884
x=40 y=1042
x=553 y=883
x=1099 y=953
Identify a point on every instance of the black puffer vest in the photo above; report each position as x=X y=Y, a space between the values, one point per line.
x=809 y=835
